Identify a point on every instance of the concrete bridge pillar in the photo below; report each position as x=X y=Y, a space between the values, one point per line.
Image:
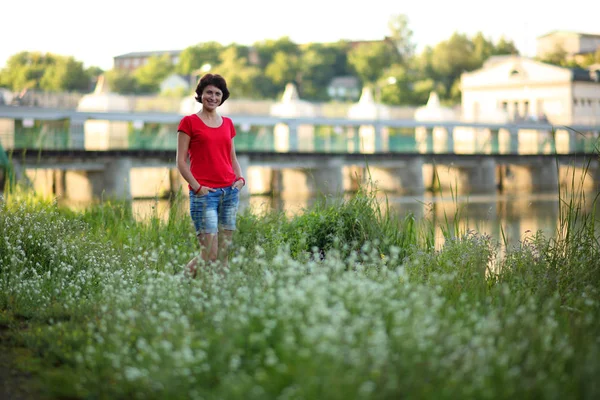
x=482 y=177
x=406 y=179
x=111 y=182
x=58 y=183
x=595 y=169
x=177 y=183
x=477 y=178
x=328 y=179
x=115 y=180
x=539 y=177
x=545 y=176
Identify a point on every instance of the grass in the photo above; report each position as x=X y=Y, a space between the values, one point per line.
x=345 y=300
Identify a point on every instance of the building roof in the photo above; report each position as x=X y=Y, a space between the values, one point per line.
x=586 y=75
x=569 y=33
x=345 y=81
x=149 y=53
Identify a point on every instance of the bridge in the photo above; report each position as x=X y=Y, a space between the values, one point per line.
x=99 y=150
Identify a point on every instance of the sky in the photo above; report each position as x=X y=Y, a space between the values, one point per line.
x=95 y=32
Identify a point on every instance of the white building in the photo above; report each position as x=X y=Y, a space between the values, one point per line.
x=530 y=90
x=175 y=83
x=573 y=44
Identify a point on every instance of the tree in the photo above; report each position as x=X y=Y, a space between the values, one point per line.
x=194 y=57
x=558 y=56
x=150 y=75
x=242 y=78
x=267 y=49
x=283 y=68
x=395 y=86
x=320 y=63
x=482 y=49
x=451 y=58
x=65 y=74
x=44 y=71
x=25 y=70
x=122 y=82
x=505 y=46
x=370 y=59
x=402 y=37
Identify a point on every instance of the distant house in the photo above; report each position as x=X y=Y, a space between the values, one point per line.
x=344 y=88
x=574 y=44
x=531 y=90
x=176 y=82
x=134 y=60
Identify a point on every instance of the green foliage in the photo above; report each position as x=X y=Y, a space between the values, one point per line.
x=241 y=76
x=66 y=74
x=120 y=81
x=149 y=76
x=267 y=49
x=402 y=37
x=194 y=57
x=369 y=60
x=35 y=70
x=320 y=63
x=345 y=226
x=109 y=314
x=262 y=70
x=283 y=68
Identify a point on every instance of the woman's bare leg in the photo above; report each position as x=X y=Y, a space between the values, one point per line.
x=209 y=250
x=225 y=239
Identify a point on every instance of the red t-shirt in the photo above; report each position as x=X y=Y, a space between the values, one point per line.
x=209 y=151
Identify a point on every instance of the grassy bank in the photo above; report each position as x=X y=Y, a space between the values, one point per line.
x=346 y=300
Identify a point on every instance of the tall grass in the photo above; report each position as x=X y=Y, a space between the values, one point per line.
x=333 y=223
x=345 y=300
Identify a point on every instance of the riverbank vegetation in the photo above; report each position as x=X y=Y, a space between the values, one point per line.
x=344 y=301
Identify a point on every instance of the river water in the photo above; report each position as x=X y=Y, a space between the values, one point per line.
x=507 y=218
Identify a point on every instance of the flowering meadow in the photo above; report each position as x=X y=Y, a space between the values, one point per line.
x=343 y=301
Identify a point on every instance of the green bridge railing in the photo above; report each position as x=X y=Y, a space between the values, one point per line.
x=255 y=138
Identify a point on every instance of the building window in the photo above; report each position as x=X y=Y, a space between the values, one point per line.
x=505 y=105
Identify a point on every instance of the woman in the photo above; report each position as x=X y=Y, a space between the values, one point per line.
x=213 y=174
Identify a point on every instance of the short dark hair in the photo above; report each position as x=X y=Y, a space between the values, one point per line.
x=215 y=80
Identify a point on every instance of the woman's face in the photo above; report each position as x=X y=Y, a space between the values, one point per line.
x=211 y=97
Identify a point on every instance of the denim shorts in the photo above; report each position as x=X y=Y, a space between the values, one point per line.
x=214 y=210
